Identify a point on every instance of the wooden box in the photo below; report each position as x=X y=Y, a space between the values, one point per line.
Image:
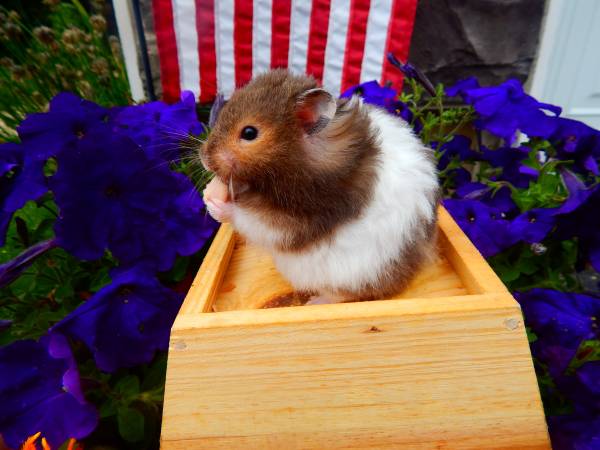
x=444 y=365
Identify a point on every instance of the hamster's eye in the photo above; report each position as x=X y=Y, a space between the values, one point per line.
x=249 y=133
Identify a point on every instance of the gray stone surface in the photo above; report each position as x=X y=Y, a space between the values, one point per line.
x=490 y=39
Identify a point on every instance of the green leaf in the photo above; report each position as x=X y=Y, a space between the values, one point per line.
x=131 y=424
x=108 y=408
x=155 y=376
x=531 y=336
x=100 y=278
x=128 y=386
x=179 y=270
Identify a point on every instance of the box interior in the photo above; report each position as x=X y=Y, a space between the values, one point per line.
x=238 y=276
x=251 y=281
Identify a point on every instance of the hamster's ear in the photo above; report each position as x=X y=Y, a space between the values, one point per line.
x=314 y=109
x=215 y=109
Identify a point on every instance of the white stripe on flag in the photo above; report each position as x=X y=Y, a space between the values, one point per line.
x=261 y=36
x=224 y=46
x=336 y=45
x=377 y=26
x=299 y=29
x=186 y=35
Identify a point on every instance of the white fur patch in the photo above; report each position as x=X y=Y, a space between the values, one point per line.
x=362 y=249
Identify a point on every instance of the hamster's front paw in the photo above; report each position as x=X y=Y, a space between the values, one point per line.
x=216 y=197
x=219 y=210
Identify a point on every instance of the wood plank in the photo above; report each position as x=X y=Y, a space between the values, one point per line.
x=475 y=273
x=206 y=283
x=326 y=377
x=346 y=311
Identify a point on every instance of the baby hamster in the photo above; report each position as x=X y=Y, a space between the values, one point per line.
x=341 y=193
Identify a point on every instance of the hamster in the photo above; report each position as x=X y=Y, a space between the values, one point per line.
x=341 y=193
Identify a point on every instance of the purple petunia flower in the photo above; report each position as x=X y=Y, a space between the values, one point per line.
x=385 y=97
x=5 y=324
x=459 y=176
x=125 y=322
x=402 y=110
x=20 y=181
x=579 y=193
x=112 y=196
x=534 y=225
x=578 y=217
x=588 y=377
x=506 y=108
x=412 y=72
x=10 y=270
x=579 y=142
x=509 y=160
x=500 y=200
x=458 y=147
x=575 y=431
x=581 y=429
x=582 y=388
x=374 y=94
x=40 y=391
x=69 y=119
x=482 y=223
x=561 y=321
x=462 y=88
x=160 y=128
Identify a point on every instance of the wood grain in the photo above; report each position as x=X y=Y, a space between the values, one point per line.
x=205 y=286
x=475 y=273
x=443 y=365
x=396 y=378
x=252 y=280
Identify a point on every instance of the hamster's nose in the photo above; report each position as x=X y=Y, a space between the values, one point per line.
x=227 y=160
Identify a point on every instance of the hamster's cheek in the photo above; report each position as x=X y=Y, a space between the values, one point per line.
x=220 y=211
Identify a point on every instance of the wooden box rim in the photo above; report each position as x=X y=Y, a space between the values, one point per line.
x=485 y=289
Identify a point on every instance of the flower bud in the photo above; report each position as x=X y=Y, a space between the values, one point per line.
x=38 y=98
x=85 y=88
x=13 y=31
x=70 y=48
x=98 y=23
x=100 y=67
x=98 y=5
x=7 y=62
x=19 y=73
x=115 y=46
x=44 y=34
x=14 y=16
x=72 y=36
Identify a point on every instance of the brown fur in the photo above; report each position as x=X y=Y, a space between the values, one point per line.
x=306 y=186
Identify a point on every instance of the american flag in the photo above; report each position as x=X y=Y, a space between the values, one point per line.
x=210 y=46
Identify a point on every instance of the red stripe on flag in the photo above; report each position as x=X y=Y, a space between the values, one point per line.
x=205 y=25
x=398 y=39
x=280 y=33
x=242 y=41
x=167 y=49
x=317 y=39
x=355 y=42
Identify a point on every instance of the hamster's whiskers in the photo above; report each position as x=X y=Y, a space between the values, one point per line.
x=231 y=188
